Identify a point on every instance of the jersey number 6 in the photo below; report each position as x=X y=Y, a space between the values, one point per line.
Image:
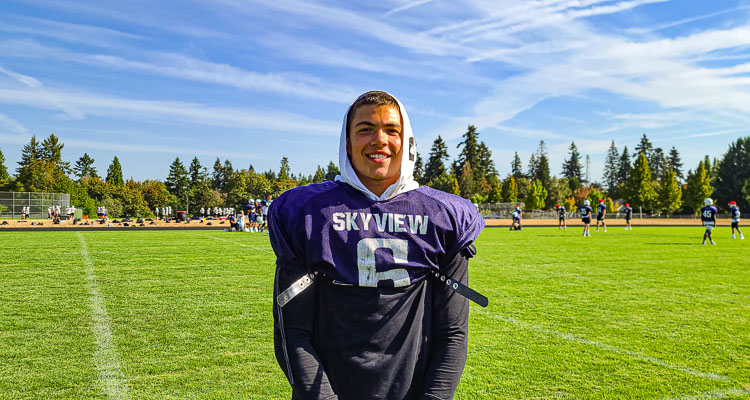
x=368 y=274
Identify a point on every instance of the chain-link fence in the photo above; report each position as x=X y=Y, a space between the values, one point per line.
x=13 y=203
x=505 y=210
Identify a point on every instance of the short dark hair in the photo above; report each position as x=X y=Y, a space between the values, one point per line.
x=377 y=97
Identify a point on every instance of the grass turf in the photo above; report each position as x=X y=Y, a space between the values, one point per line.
x=642 y=314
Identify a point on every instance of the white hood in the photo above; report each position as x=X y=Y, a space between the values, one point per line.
x=405 y=182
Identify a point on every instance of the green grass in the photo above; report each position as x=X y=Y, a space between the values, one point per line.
x=642 y=314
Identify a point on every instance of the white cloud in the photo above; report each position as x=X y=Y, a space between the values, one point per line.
x=173 y=112
x=49 y=98
x=9 y=125
x=180 y=67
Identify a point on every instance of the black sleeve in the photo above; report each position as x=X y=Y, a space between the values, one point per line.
x=293 y=339
x=450 y=329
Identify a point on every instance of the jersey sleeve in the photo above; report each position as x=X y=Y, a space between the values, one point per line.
x=286 y=234
x=469 y=224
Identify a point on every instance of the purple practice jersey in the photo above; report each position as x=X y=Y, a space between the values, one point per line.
x=375 y=323
x=332 y=229
x=708 y=215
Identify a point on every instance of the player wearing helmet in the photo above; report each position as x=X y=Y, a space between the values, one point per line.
x=586 y=217
x=628 y=216
x=516 y=223
x=735 y=214
x=561 y=219
x=601 y=212
x=708 y=217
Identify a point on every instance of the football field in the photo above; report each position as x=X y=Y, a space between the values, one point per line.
x=642 y=314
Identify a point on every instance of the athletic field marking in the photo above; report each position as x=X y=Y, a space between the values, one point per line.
x=713 y=394
x=239 y=244
x=107 y=360
x=607 y=347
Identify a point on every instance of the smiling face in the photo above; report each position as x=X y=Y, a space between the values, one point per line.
x=374 y=146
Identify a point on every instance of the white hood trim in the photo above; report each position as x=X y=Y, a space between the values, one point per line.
x=405 y=182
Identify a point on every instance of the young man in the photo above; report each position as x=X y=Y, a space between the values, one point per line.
x=601 y=212
x=735 y=214
x=368 y=266
x=516 y=222
x=561 y=218
x=628 y=216
x=708 y=217
x=586 y=217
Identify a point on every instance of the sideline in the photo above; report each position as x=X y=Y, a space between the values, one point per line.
x=604 y=346
x=107 y=360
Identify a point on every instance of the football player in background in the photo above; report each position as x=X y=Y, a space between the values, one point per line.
x=628 y=216
x=734 y=212
x=366 y=266
x=515 y=224
x=561 y=218
x=586 y=217
x=601 y=212
x=708 y=217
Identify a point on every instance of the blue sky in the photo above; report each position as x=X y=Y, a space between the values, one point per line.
x=253 y=81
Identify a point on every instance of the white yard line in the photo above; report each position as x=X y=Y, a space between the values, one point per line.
x=107 y=361
x=607 y=347
x=239 y=244
x=714 y=394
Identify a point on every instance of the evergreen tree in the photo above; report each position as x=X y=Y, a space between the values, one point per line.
x=644 y=146
x=218 y=179
x=639 y=186
x=675 y=163
x=435 y=165
x=698 y=188
x=536 y=196
x=332 y=171
x=623 y=171
x=572 y=166
x=533 y=166
x=4 y=176
x=612 y=168
x=541 y=168
x=542 y=171
x=178 y=181
x=516 y=169
x=196 y=173
x=320 y=175
x=419 y=170
x=52 y=152
x=466 y=183
x=732 y=173
x=85 y=167
x=486 y=165
x=670 y=193
x=227 y=171
x=469 y=150
x=510 y=190
x=658 y=163
x=496 y=188
x=284 y=169
x=31 y=152
x=114 y=173
x=271 y=176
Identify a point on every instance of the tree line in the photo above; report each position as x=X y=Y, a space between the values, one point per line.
x=649 y=178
